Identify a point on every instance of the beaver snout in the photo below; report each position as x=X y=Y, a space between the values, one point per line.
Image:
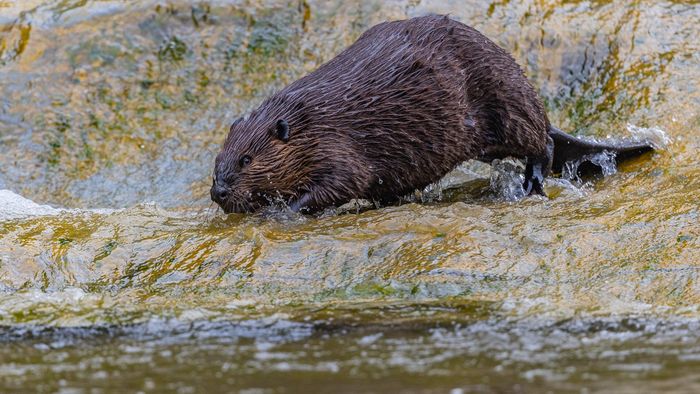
x=219 y=193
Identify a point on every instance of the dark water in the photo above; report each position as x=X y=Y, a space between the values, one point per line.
x=117 y=274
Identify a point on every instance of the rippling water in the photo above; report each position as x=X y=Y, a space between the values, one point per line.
x=117 y=272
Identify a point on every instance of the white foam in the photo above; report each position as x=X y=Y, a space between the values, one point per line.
x=14 y=206
x=657 y=137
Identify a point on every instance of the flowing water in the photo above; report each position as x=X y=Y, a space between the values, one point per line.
x=118 y=274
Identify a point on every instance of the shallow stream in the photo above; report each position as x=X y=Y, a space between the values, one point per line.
x=117 y=272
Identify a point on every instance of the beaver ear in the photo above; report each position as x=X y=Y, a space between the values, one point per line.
x=235 y=122
x=282 y=130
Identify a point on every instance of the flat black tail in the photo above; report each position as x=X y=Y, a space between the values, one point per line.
x=568 y=148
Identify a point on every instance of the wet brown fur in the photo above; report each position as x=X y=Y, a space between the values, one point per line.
x=394 y=112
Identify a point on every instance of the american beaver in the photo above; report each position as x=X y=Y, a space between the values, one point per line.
x=394 y=112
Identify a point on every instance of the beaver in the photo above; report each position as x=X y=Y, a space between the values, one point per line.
x=394 y=112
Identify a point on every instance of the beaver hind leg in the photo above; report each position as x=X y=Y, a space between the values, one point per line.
x=536 y=169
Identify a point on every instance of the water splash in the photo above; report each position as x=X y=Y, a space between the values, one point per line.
x=507 y=180
x=605 y=160
x=654 y=135
x=466 y=176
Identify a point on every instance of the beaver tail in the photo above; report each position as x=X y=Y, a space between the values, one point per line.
x=568 y=148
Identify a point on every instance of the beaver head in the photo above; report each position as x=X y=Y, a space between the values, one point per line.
x=256 y=166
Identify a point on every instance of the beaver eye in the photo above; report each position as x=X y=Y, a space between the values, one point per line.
x=244 y=161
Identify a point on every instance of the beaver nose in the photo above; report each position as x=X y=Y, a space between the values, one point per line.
x=218 y=193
